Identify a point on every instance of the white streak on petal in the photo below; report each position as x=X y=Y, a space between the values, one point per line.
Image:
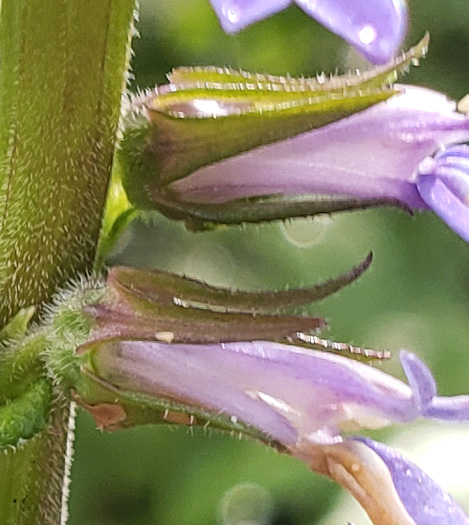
x=273 y=402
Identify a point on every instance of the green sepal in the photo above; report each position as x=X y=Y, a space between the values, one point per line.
x=376 y=77
x=131 y=317
x=209 y=216
x=170 y=289
x=21 y=364
x=164 y=148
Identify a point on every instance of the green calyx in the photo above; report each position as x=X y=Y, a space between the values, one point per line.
x=155 y=305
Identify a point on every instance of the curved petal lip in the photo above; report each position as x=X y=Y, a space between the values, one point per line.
x=444 y=203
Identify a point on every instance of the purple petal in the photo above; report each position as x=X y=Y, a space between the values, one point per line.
x=443 y=183
x=286 y=392
x=455 y=408
x=372 y=154
x=235 y=15
x=451 y=165
x=423 y=499
x=445 y=204
x=374 y=27
x=424 y=392
x=420 y=379
x=291 y=394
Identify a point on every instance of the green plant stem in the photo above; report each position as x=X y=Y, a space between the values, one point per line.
x=62 y=73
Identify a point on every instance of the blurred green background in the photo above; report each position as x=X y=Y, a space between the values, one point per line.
x=415 y=296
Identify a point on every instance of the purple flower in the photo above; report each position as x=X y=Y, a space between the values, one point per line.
x=380 y=153
x=301 y=400
x=391 y=489
x=443 y=183
x=375 y=27
x=154 y=355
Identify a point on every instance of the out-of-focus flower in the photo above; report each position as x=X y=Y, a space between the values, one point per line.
x=375 y=27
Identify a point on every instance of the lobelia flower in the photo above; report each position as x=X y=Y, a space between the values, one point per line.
x=155 y=354
x=374 y=27
x=300 y=400
x=380 y=153
x=217 y=146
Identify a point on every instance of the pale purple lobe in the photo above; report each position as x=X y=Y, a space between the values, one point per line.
x=372 y=154
x=235 y=15
x=455 y=408
x=443 y=183
x=424 y=500
x=375 y=27
x=420 y=380
x=452 y=167
x=445 y=204
x=424 y=392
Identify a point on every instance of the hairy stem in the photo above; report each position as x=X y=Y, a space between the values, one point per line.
x=62 y=73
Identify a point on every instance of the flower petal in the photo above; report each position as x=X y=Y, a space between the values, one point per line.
x=420 y=379
x=424 y=500
x=375 y=27
x=445 y=204
x=424 y=392
x=286 y=392
x=235 y=15
x=274 y=387
x=453 y=168
x=454 y=408
x=372 y=154
x=443 y=183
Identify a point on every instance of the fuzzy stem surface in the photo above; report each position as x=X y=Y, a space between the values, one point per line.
x=62 y=73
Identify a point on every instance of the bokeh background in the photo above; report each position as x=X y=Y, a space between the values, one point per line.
x=415 y=296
